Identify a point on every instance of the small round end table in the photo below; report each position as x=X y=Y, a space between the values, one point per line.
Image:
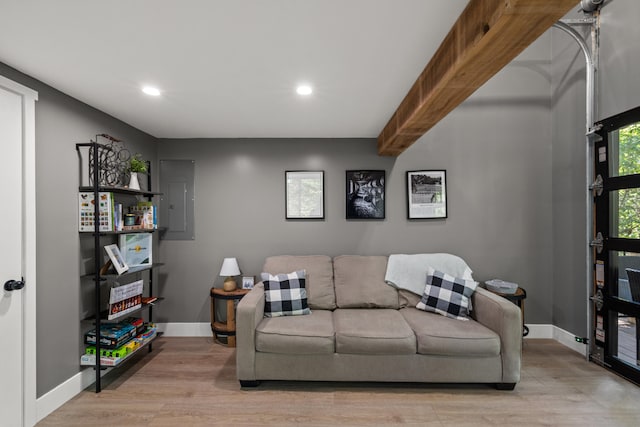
x=227 y=328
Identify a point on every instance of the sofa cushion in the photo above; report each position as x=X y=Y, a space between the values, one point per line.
x=447 y=295
x=407 y=298
x=319 y=276
x=312 y=334
x=443 y=336
x=359 y=282
x=285 y=294
x=372 y=331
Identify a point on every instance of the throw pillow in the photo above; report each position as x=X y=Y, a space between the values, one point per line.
x=285 y=294
x=447 y=295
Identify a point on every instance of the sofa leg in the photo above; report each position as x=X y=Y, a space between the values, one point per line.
x=246 y=383
x=505 y=386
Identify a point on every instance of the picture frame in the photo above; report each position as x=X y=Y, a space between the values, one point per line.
x=365 y=194
x=137 y=249
x=247 y=282
x=427 y=194
x=116 y=258
x=304 y=194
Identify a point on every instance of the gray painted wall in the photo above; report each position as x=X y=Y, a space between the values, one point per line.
x=619 y=57
x=515 y=168
x=61 y=122
x=618 y=92
x=568 y=172
x=496 y=149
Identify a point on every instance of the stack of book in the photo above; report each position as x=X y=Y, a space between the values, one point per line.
x=112 y=213
x=146 y=215
x=118 y=341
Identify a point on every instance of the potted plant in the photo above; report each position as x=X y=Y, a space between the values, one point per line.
x=136 y=166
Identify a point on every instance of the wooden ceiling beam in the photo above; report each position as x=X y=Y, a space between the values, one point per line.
x=487 y=36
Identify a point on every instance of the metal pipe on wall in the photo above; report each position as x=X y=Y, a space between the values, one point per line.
x=590 y=113
x=590 y=5
x=590 y=94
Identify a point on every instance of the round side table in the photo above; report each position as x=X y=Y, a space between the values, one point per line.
x=227 y=328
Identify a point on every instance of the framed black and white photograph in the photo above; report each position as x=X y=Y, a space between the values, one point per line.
x=116 y=258
x=247 y=282
x=304 y=194
x=426 y=194
x=365 y=194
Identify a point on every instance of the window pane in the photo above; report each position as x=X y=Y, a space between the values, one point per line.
x=627 y=350
x=625 y=213
x=627 y=265
x=626 y=143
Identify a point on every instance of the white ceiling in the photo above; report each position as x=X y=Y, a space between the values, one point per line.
x=230 y=68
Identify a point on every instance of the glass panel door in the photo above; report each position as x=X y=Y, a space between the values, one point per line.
x=617 y=217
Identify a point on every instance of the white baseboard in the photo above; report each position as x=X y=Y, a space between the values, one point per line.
x=560 y=335
x=185 y=329
x=64 y=392
x=58 y=396
x=540 y=332
x=569 y=340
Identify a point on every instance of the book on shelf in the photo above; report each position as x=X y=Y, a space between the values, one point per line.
x=86 y=211
x=149 y=300
x=128 y=347
x=111 y=335
x=90 y=359
x=125 y=299
x=146 y=215
x=114 y=352
x=138 y=322
x=136 y=249
x=111 y=213
x=118 y=217
x=114 y=335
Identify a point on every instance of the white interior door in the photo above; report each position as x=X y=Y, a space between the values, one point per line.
x=17 y=306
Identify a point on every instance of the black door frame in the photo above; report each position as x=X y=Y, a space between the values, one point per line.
x=603 y=216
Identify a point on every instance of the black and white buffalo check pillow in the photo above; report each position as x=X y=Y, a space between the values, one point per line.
x=447 y=295
x=285 y=294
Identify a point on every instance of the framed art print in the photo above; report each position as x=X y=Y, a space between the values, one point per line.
x=116 y=258
x=365 y=194
x=247 y=282
x=304 y=194
x=426 y=194
x=137 y=249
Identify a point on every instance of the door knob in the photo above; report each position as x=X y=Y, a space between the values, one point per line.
x=13 y=285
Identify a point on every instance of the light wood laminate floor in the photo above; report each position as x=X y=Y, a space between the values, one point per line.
x=192 y=382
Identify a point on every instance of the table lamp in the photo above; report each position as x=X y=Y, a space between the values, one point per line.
x=229 y=268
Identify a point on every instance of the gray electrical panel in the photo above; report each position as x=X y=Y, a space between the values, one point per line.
x=178 y=199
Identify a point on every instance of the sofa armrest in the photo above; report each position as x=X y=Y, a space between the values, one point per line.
x=249 y=313
x=505 y=319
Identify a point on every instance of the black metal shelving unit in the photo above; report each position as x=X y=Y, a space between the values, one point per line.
x=98 y=278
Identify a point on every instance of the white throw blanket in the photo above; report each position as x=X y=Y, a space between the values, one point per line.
x=409 y=272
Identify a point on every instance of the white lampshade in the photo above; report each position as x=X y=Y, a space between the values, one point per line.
x=230 y=267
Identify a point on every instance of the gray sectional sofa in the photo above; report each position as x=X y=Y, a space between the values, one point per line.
x=362 y=329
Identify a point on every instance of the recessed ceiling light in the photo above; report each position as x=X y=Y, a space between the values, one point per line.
x=304 y=90
x=150 y=90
